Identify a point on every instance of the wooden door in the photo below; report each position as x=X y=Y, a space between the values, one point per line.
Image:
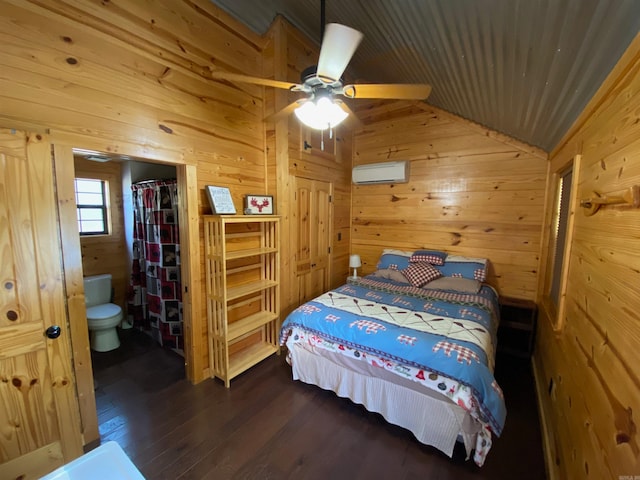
x=312 y=200
x=39 y=413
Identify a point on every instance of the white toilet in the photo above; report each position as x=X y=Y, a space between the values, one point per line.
x=102 y=316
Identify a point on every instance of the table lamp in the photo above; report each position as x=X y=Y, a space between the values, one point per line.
x=355 y=263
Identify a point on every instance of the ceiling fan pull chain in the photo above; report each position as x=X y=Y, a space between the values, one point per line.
x=323 y=18
x=322 y=139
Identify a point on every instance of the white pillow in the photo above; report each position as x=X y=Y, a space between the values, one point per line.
x=461 y=259
x=397 y=252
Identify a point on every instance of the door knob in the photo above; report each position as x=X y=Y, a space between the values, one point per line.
x=53 y=331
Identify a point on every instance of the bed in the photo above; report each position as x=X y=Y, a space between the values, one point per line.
x=414 y=341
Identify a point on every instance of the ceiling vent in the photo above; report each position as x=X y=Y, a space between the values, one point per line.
x=387 y=172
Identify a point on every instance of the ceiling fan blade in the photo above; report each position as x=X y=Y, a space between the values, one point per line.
x=352 y=119
x=338 y=46
x=284 y=112
x=237 y=77
x=416 y=91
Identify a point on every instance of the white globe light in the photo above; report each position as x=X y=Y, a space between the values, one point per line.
x=320 y=114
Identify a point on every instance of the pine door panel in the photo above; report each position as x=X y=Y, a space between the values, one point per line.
x=313 y=210
x=39 y=415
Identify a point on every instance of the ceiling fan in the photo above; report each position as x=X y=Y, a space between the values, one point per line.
x=322 y=108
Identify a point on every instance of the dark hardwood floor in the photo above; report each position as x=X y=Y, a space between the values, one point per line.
x=266 y=426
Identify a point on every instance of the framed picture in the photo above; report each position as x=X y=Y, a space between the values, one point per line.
x=258 y=204
x=220 y=200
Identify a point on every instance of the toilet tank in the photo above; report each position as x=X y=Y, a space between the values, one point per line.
x=97 y=289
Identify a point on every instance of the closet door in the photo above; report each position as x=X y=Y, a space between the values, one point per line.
x=39 y=412
x=313 y=212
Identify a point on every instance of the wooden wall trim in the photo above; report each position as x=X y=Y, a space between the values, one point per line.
x=195 y=346
x=278 y=35
x=109 y=143
x=544 y=236
x=73 y=279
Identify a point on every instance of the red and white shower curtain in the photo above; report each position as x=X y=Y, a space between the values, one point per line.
x=155 y=301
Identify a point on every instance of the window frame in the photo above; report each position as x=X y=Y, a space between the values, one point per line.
x=556 y=310
x=104 y=207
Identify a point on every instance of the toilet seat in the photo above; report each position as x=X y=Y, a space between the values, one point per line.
x=103 y=316
x=103 y=312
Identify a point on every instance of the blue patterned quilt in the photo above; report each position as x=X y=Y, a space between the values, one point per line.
x=439 y=332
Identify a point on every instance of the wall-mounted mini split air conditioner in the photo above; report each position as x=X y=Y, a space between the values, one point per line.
x=387 y=172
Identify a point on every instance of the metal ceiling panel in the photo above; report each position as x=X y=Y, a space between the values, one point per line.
x=526 y=68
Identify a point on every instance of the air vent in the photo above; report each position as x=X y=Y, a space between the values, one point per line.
x=387 y=172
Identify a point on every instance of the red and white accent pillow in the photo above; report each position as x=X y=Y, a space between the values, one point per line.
x=420 y=274
x=433 y=257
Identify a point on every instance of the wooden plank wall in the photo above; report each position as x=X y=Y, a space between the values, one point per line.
x=591 y=412
x=287 y=54
x=133 y=78
x=107 y=253
x=471 y=192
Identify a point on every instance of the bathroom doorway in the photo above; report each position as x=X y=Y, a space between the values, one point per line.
x=191 y=365
x=135 y=239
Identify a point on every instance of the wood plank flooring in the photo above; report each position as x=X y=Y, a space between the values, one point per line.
x=266 y=426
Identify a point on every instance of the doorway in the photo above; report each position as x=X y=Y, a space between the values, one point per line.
x=192 y=364
x=141 y=208
x=313 y=216
x=138 y=206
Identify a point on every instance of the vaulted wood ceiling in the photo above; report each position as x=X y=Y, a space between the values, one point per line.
x=525 y=68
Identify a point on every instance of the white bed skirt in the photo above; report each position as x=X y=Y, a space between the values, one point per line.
x=433 y=418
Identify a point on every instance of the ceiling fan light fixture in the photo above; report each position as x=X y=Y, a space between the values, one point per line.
x=321 y=113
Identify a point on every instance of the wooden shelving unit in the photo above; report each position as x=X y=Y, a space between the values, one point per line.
x=242 y=257
x=517 y=330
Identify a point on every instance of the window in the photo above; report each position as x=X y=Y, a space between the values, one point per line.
x=91 y=203
x=561 y=218
x=559 y=242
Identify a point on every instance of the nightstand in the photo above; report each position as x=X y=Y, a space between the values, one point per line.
x=517 y=330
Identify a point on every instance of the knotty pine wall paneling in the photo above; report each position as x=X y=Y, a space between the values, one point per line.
x=587 y=372
x=133 y=78
x=471 y=192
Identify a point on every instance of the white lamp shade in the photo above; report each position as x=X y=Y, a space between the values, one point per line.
x=354 y=261
x=320 y=114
